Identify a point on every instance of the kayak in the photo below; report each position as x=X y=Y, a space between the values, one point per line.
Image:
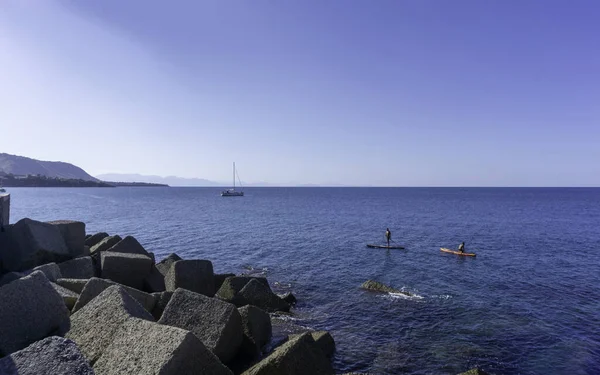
x=384 y=247
x=457 y=252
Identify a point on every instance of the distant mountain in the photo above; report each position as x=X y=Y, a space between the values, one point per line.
x=169 y=180
x=22 y=166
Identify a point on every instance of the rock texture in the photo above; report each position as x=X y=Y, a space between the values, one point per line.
x=231 y=286
x=155 y=281
x=105 y=244
x=94 y=326
x=194 y=275
x=68 y=296
x=141 y=347
x=129 y=245
x=51 y=270
x=376 y=286
x=79 y=268
x=257 y=330
x=216 y=323
x=162 y=300
x=165 y=265
x=73 y=233
x=298 y=356
x=74 y=285
x=126 y=269
x=95 y=239
x=257 y=294
x=31 y=310
x=95 y=286
x=51 y=356
x=323 y=341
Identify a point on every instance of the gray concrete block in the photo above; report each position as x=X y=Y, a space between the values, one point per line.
x=105 y=244
x=323 y=340
x=34 y=243
x=95 y=286
x=257 y=330
x=51 y=356
x=129 y=245
x=298 y=356
x=95 y=238
x=74 y=285
x=93 y=327
x=31 y=310
x=233 y=285
x=126 y=269
x=78 y=268
x=195 y=275
x=162 y=300
x=216 y=323
x=155 y=281
x=10 y=277
x=68 y=296
x=220 y=278
x=73 y=233
x=141 y=347
x=165 y=265
x=257 y=294
x=51 y=270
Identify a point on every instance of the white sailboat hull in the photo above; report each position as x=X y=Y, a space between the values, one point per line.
x=229 y=193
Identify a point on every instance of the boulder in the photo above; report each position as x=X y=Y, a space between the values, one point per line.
x=257 y=294
x=31 y=310
x=155 y=281
x=94 y=239
x=216 y=323
x=323 y=340
x=129 y=245
x=78 y=268
x=69 y=297
x=165 y=265
x=95 y=286
x=232 y=285
x=141 y=347
x=474 y=371
x=376 y=286
x=162 y=300
x=93 y=327
x=73 y=233
x=105 y=244
x=298 y=356
x=74 y=285
x=50 y=270
x=288 y=297
x=220 y=277
x=51 y=356
x=126 y=269
x=257 y=330
x=194 y=275
x=34 y=243
x=10 y=277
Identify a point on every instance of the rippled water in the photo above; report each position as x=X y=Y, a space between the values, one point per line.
x=528 y=304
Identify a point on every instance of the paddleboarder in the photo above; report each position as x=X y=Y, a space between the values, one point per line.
x=461 y=247
x=388 y=236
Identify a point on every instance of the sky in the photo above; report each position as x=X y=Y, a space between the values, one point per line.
x=358 y=93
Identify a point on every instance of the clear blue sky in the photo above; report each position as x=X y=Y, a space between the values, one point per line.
x=391 y=93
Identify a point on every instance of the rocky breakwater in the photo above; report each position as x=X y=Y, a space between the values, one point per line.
x=72 y=303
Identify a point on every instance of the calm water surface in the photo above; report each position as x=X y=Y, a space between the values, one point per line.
x=528 y=304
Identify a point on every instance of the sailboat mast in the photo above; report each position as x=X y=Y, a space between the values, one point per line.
x=234 y=175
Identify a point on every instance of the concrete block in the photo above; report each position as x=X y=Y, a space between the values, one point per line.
x=164 y=265
x=95 y=286
x=126 y=269
x=51 y=356
x=220 y=278
x=31 y=310
x=216 y=323
x=51 y=270
x=233 y=285
x=74 y=285
x=10 y=277
x=68 y=296
x=93 y=327
x=162 y=300
x=95 y=239
x=73 y=233
x=129 y=245
x=194 y=275
x=323 y=340
x=257 y=294
x=105 y=244
x=78 y=268
x=155 y=281
x=257 y=330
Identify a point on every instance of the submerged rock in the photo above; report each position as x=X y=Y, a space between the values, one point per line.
x=376 y=286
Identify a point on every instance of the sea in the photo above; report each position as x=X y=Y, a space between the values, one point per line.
x=528 y=303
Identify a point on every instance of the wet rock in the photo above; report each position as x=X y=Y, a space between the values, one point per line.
x=376 y=286
x=51 y=356
x=216 y=323
x=142 y=347
x=34 y=243
x=32 y=310
x=323 y=341
x=95 y=286
x=126 y=269
x=129 y=245
x=74 y=285
x=162 y=300
x=288 y=297
x=155 y=281
x=194 y=275
x=95 y=239
x=78 y=268
x=233 y=285
x=93 y=327
x=257 y=330
x=257 y=294
x=73 y=233
x=298 y=356
x=105 y=244
x=165 y=265
x=69 y=297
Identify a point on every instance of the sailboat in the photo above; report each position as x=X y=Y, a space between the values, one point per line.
x=232 y=192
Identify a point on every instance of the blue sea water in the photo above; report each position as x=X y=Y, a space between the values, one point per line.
x=529 y=303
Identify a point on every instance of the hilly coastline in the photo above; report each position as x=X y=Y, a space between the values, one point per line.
x=24 y=166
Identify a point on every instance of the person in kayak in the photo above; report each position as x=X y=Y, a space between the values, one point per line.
x=461 y=247
x=388 y=236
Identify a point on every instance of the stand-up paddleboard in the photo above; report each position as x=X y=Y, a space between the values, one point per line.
x=384 y=247
x=457 y=252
